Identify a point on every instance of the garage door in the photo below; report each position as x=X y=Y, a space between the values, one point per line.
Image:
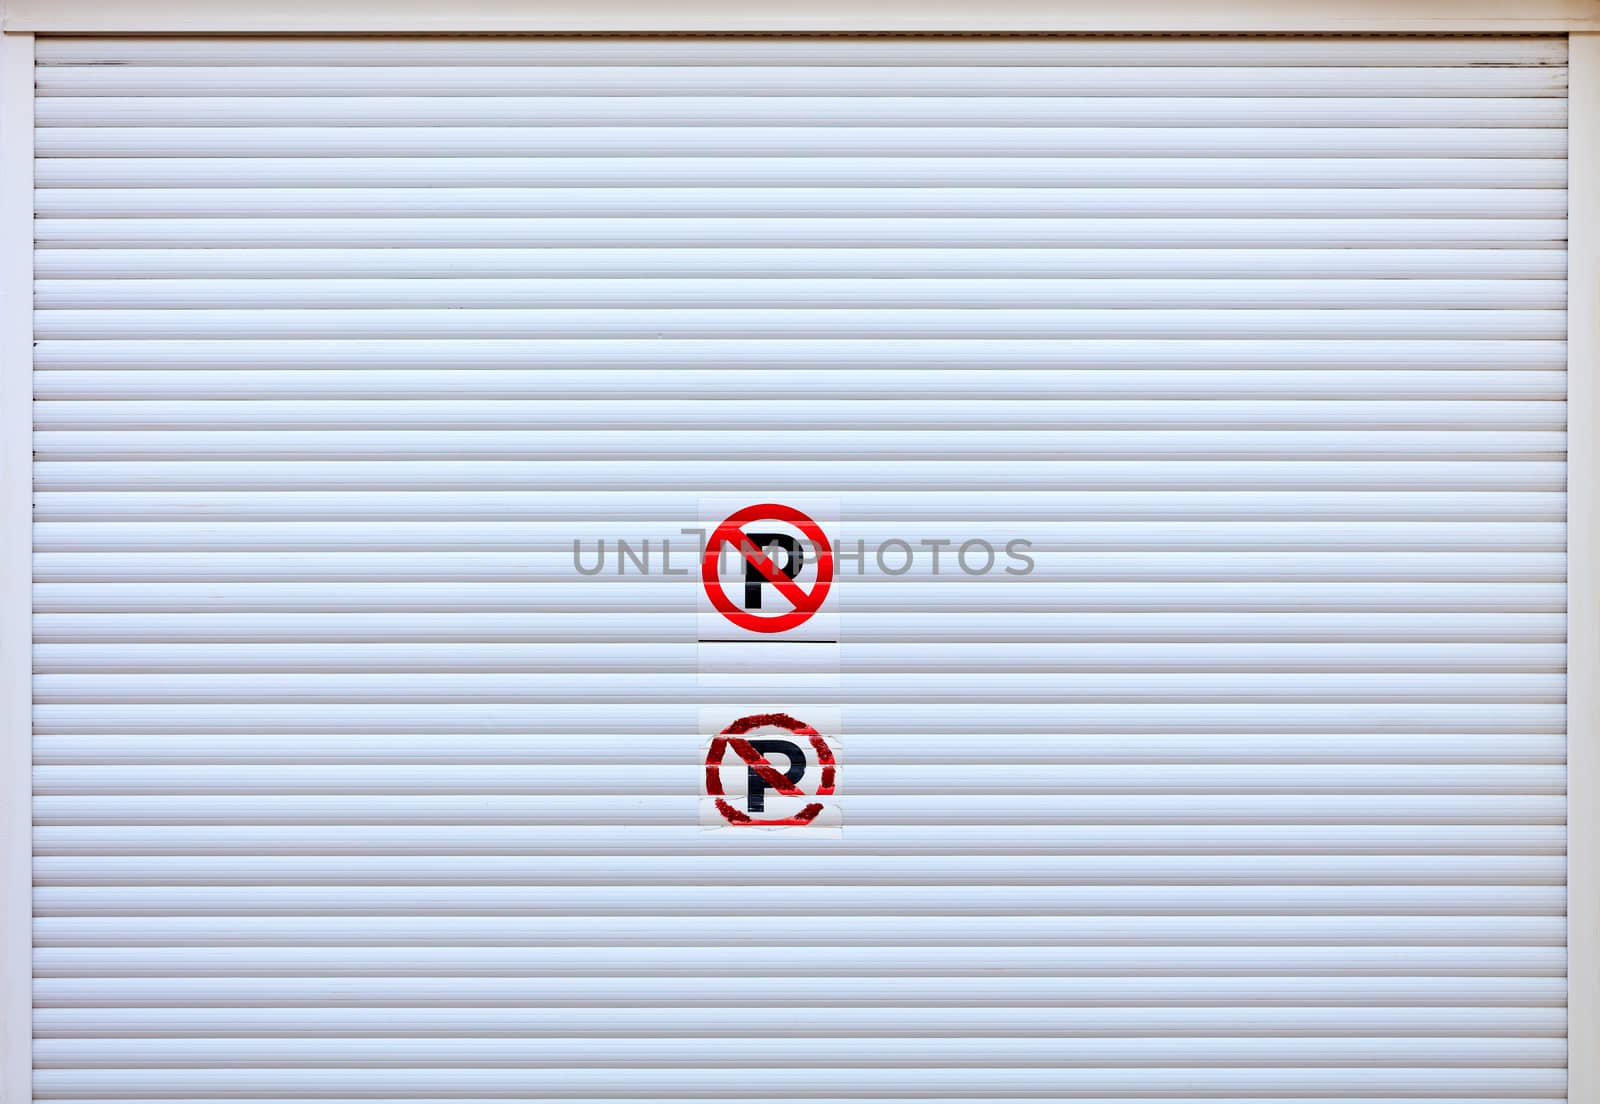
x=352 y=786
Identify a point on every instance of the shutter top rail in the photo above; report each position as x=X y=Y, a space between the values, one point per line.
x=850 y=17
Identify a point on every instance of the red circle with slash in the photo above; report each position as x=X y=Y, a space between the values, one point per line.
x=733 y=737
x=805 y=602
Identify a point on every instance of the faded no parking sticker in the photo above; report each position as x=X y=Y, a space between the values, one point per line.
x=770 y=770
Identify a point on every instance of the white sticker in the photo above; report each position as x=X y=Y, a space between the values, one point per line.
x=771 y=770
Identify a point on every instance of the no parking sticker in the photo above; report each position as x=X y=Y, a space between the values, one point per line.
x=759 y=793
x=770 y=597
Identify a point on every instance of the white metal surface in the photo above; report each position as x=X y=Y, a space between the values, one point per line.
x=348 y=787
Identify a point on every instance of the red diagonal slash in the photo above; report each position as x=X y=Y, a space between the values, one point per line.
x=798 y=596
x=769 y=774
x=774 y=778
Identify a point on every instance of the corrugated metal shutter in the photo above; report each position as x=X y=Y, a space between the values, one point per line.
x=348 y=788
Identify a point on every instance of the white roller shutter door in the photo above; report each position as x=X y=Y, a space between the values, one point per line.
x=350 y=788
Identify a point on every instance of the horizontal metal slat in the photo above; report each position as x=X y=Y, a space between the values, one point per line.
x=917 y=510
x=310 y=553
x=241 y=552
x=1298 y=1082
x=851 y=686
x=655 y=718
x=865 y=746
x=1510 y=632
x=863 y=931
x=688 y=839
x=479 y=547
x=865 y=808
x=1451 y=51
x=228 y=358
x=936 y=779
x=714 y=961
x=868 y=592
x=799 y=293
x=819 y=105
x=957 y=626
x=994 y=232
x=820 y=445
x=911 y=388
x=778 y=202
x=50 y=1023
x=971 y=262
x=798 y=475
x=1239 y=323
x=797 y=141
x=903 y=655
x=935 y=1052
x=936 y=687
x=1138 y=169
x=244 y=1098
x=698 y=900
x=604 y=419
x=968 y=80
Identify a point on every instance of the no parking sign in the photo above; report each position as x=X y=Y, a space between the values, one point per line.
x=771 y=770
x=800 y=578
